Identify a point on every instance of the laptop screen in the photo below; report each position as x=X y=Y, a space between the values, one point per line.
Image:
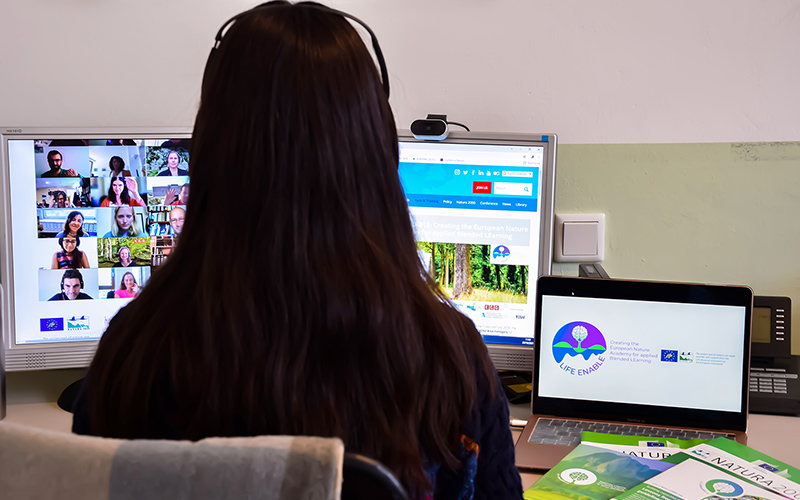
x=653 y=352
x=642 y=352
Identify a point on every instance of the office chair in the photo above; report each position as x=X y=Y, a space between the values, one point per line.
x=367 y=479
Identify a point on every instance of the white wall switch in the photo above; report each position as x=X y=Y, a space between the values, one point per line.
x=579 y=237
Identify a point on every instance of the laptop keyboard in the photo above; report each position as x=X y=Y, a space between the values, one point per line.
x=568 y=432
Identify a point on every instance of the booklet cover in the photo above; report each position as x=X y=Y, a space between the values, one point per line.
x=592 y=473
x=720 y=469
x=656 y=448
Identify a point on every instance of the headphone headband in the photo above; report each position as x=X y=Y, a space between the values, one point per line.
x=375 y=46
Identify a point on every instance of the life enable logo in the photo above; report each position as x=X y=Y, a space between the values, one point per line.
x=500 y=254
x=579 y=348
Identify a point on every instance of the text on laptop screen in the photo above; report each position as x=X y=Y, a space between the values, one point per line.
x=642 y=352
x=476 y=211
x=91 y=219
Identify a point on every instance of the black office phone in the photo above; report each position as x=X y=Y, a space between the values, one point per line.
x=774 y=372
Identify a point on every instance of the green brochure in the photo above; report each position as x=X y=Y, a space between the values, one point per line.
x=720 y=469
x=656 y=448
x=592 y=473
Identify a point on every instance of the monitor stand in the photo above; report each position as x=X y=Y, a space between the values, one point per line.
x=67 y=398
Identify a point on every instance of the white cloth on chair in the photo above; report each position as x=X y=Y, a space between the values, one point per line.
x=41 y=464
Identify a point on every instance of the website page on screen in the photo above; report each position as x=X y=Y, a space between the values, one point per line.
x=476 y=214
x=642 y=352
x=91 y=219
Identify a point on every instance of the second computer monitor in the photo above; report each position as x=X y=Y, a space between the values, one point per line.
x=482 y=209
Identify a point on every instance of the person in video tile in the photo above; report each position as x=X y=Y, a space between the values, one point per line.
x=128 y=288
x=73 y=226
x=180 y=199
x=70 y=257
x=117 y=166
x=54 y=159
x=176 y=217
x=123 y=191
x=124 y=224
x=71 y=284
x=125 y=260
x=60 y=199
x=173 y=160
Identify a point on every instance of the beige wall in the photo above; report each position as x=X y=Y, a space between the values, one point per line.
x=715 y=213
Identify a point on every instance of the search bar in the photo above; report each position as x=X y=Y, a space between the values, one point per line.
x=516 y=173
x=513 y=188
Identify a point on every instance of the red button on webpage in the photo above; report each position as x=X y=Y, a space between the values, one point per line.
x=482 y=187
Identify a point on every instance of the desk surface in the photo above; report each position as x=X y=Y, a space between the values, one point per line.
x=770 y=434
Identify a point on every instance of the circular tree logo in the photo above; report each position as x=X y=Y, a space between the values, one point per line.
x=723 y=488
x=501 y=253
x=583 y=345
x=580 y=477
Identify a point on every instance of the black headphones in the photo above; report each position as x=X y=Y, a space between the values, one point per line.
x=72 y=273
x=375 y=46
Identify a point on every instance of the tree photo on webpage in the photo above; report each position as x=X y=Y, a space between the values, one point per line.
x=465 y=272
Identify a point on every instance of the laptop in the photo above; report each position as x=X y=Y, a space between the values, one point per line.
x=636 y=357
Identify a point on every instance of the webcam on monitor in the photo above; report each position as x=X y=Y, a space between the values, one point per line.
x=432 y=128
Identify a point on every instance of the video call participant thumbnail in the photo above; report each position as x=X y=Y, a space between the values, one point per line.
x=117 y=166
x=73 y=226
x=124 y=224
x=55 y=160
x=71 y=284
x=124 y=258
x=60 y=200
x=123 y=191
x=182 y=198
x=70 y=257
x=128 y=288
x=176 y=218
x=173 y=160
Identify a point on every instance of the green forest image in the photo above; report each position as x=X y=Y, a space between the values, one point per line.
x=464 y=272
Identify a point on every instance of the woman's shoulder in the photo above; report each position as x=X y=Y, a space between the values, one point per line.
x=60 y=234
x=106 y=202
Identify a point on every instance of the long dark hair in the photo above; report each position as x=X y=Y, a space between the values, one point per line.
x=124 y=196
x=338 y=331
x=111 y=165
x=71 y=216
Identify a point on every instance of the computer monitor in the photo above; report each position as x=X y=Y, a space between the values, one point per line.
x=482 y=209
x=479 y=202
x=83 y=212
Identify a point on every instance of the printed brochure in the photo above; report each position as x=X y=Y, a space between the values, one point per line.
x=720 y=469
x=592 y=473
x=655 y=448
